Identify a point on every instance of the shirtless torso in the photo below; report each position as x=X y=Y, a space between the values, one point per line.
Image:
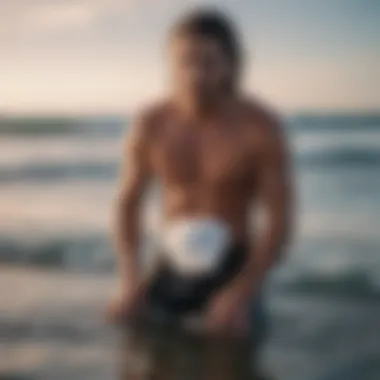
x=217 y=167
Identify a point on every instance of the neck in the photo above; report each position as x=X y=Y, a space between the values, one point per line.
x=206 y=107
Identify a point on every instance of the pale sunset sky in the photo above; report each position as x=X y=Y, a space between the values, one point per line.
x=107 y=56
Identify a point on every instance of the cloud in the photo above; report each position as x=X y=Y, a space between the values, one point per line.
x=31 y=17
x=20 y=18
x=63 y=15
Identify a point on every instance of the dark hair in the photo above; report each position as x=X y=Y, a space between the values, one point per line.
x=215 y=25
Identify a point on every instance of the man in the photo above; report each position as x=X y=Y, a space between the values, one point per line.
x=216 y=154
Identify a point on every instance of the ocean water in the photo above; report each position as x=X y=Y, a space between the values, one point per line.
x=57 y=184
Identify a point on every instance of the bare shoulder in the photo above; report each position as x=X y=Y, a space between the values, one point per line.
x=147 y=121
x=263 y=117
x=265 y=124
x=144 y=127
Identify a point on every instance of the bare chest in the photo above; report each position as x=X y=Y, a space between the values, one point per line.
x=212 y=156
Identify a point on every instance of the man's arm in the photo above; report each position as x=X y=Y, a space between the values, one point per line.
x=275 y=197
x=228 y=309
x=134 y=179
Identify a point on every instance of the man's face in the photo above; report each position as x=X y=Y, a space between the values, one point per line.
x=200 y=66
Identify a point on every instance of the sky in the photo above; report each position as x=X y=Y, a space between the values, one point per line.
x=108 y=56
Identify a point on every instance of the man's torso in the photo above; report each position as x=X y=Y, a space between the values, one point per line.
x=209 y=168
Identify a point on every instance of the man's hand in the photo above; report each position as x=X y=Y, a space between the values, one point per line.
x=228 y=313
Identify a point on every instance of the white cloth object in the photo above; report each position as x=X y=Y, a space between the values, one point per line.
x=195 y=246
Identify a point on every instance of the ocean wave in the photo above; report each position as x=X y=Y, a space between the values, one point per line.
x=353 y=284
x=339 y=157
x=18 y=151
x=87 y=253
x=45 y=125
x=58 y=171
x=332 y=140
x=327 y=122
x=91 y=252
x=338 y=265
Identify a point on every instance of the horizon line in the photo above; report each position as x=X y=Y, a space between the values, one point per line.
x=286 y=112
